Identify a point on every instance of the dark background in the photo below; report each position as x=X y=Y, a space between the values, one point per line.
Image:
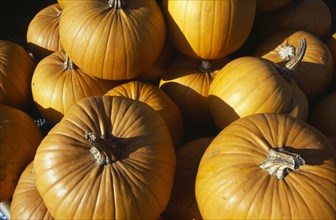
x=15 y=16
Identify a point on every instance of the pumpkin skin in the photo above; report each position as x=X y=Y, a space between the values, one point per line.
x=221 y=27
x=113 y=43
x=314 y=74
x=230 y=184
x=322 y=115
x=182 y=204
x=187 y=83
x=19 y=137
x=312 y=16
x=16 y=70
x=331 y=44
x=74 y=185
x=158 y=100
x=27 y=202
x=43 y=32
x=266 y=6
x=57 y=84
x=250 y=85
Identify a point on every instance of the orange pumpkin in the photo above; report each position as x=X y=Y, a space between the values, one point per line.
x=187 y=82
x=108 y=158
x=267 y=166
x=250 y=85
x=323 y=117
x=331 y=44
x=314 y=74
x=57 y=84
x=19 y=137
x=312 y=16
x=208 y=30
x=158 y=100
x=43 y=32
x=27 y=202
x=114 y=39
x=16 y=70
x=182 y=204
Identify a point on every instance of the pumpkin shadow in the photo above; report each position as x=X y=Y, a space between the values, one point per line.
x=39 y=52
x=313 y=157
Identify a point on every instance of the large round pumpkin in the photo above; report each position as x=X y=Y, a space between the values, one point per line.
x=114 y=39
x=187 y=82
x=323 y=117
x=314 y=74
x=182 y=204
x=43 y=32
x=16 y=70
x=27 y=202
x=268 y=166
x=158 y=100
x=57 y=84
x=108 y=158
x=208 y=29
x=19 y=139
x=250 y=85
x=312 y=16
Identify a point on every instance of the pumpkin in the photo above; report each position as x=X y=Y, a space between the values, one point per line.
x=16 y=70
x=331 y=44
x=323 y=117
x=62 y=3
x=267 y=166
x=158 y=100
x=182 y=204
x=267 y=6
x=187 y=82
x=221 y=27
x=43 y=32
x=109 y=157
x=315 y=72
x=312 y=16
x=57 y=84
x=250 y=85
x=27 y=202
x=115 y=39
x=20 y=138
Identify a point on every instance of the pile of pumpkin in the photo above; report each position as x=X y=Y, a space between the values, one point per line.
x=173 y=110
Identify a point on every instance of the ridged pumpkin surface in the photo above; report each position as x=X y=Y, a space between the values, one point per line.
x=126 y=172
x=231 y=184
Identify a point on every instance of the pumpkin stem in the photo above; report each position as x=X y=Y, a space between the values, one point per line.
x=280 y=162
x=205 y=66
x=294 y=61
x=68 y=64
x=117 y=4
x=103 y=149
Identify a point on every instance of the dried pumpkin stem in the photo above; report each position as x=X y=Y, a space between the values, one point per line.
x=104 y=150
x=280 y=162
x=205 y=66
x=117 y=4
x=294 y=62
x=68 y=64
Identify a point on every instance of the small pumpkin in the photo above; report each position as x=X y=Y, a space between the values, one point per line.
x=27 y=202
x=221 y=28
x=187 y=82
x=43 y=32
x=267 y=166
x=109 y=157
x=114 y=39
x=331 y=44
x=323 y=117
x=158 y=100
x=314 y=75
x=250 y=85
x=312 y=16
x=57 y=84
x=267 y=6
x=182 y=204
x=20 y=138
x=16 y=70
